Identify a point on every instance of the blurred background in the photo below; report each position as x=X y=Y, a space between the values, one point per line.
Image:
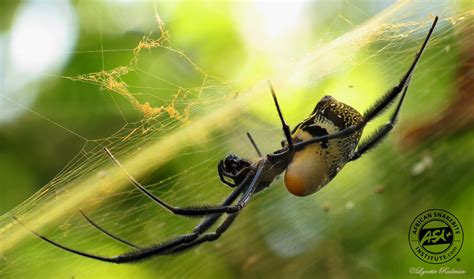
x=171 y=88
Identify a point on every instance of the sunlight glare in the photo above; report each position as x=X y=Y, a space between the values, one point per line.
x=41 y=39
x=273 y=28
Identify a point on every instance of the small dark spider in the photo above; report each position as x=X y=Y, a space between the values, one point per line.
x=312 y=155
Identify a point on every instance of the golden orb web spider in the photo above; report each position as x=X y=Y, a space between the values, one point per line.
x=313 y=153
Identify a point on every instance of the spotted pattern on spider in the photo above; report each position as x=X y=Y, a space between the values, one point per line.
x=314 y=166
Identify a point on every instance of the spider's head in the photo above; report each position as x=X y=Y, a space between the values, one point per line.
x=233 y=170
x=233 y=164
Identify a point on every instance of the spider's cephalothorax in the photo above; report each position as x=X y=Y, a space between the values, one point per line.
x=313 y=153
x=237 y=169
x=315 y=165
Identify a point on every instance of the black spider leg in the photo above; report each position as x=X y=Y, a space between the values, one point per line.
x=208 y=237
x=174 y=245
x=211 y=219
x=377 y=137
x=380 y=105
x=254 y=145
x=104 y=231
x=221 y=229
x=286 y=128
x=191 y=211
x=165 y=247
x=246 y=196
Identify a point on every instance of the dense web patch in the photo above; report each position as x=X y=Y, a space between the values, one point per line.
x=186 y=130
x=111 y=80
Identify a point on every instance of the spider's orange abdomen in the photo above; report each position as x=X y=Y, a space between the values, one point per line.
x=306 y=173
x=315 y=165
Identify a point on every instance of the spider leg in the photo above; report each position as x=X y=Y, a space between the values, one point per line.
x=190 y=211
x=185 y=242
x=208 y=237
x=254 y=144
x=211 y=219
x=385 y=100
x=194 y=210
x=286 y=128
x=201 y=210
x=154 y=250
x=96 y=257
x=380 y=105
x=377 y=137
x=104 y=231
x=165 y=249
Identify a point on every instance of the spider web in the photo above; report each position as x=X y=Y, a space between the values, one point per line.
x=176 y=129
